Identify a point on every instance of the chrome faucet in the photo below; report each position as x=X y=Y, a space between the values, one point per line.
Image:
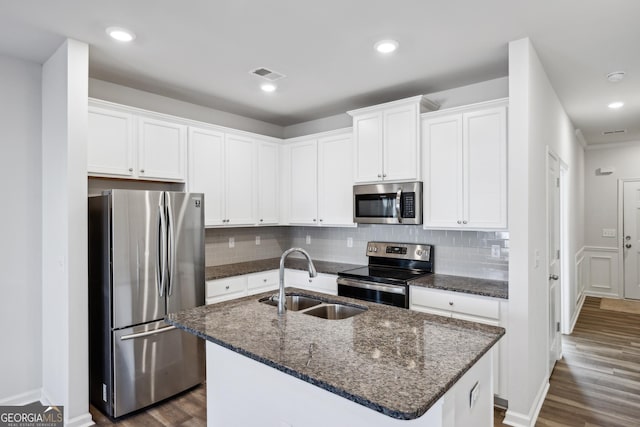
x=312 y=273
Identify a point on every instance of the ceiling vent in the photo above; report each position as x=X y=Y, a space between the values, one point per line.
x=267 y=74
x=614 y=132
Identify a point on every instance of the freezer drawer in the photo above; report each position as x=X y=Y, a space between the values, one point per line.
x=153 y=362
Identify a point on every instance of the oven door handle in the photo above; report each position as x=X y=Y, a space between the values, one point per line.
x=398 y=210
x=402 y=290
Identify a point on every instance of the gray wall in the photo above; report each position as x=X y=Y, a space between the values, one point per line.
x=462 y=253
x=21 y=247
x=149 y=101
x=601 y=204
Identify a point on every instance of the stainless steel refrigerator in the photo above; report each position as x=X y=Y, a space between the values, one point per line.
x=146 y=259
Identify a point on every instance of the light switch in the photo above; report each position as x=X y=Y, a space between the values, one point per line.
x=308 y=239
x=495 y=251
x=608 y=232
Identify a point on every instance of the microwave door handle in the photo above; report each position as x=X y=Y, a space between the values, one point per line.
x=398 y=210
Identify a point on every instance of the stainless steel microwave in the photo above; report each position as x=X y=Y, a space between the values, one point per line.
x=388 y=203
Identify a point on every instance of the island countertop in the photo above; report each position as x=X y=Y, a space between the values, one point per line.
x=392 y=360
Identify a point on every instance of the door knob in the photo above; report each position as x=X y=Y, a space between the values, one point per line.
x=627 y=238
x=628 y=246
x=553 y=277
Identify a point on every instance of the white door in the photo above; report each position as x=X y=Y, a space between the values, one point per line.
x=631 y=240
x=367 y=131
x=553 y=223
x=335 y=180
x=240 y=180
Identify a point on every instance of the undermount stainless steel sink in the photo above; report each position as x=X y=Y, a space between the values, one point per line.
x=294 y=302
x=335 y=311
x=315 y=307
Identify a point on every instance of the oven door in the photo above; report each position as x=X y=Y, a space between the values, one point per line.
x=382 y=293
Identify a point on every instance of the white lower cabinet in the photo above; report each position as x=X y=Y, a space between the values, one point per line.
x=474 y=308
x=226 y=289
x=250 y=284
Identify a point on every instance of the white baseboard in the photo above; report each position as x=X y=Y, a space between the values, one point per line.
x=516 y=419
x=596 y=294
x=576 y=314
x=83 y=420
x=22 y=398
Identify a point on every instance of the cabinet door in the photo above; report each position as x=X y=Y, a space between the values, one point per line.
x=442 y=169
x=110 y=143
x=268 y=171
x=240 y=180
x=367 y=132
x=206 y=172
x=304 y=183
x=162 y=150
x=335 y=180
x=401 y=160
x=485 y=166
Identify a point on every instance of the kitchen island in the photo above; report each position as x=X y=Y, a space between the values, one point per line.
x=384 y=366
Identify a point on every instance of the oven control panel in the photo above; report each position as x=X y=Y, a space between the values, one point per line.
x=410 y=251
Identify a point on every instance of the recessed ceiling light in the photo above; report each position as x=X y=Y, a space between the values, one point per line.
x=616 y=105
x=616 y=76
x=121 y=34
x=386 y=46
x=268 y=87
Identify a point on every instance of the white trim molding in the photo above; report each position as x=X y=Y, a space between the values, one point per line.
x=22 y=398
x=609 y=145
x=515 y=419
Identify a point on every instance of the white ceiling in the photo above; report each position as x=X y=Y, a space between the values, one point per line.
x=201 y=51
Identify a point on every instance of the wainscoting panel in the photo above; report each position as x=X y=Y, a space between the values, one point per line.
x=601 y=271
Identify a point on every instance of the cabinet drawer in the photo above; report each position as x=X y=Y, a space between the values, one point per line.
x=261 y=282
x=459 y=305
x=229 y=286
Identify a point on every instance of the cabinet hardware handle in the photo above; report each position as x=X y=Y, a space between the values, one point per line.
x=141 y=170
x=553 y=277
x=464 y=222
x=314 y=220
x=310 y=281
x=379 y=175
x=227 y=287
x=450 y=302
x=384 y=175
x=320 y=219
x=130 y=169
x=261 y=219
x=264 y=280
x=459 y=222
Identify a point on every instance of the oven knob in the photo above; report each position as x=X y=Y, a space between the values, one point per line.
x=370 y=249
x=375 y=249
x=419 y=252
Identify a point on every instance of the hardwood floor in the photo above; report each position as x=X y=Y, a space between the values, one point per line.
x=187 y=410
x=597 y=382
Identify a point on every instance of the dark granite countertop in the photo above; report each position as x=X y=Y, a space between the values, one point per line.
x=469 y=285
x=392 y=360
x=240 y=268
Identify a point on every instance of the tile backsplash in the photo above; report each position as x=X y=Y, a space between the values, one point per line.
x=462 y=253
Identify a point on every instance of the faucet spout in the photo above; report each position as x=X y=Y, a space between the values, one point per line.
x=312 y=273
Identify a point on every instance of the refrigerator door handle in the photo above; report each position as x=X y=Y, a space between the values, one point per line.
x=147 y=333
x=161 y=255
x=171 y=256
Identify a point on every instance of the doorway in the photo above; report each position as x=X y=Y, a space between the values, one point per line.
x=631 y=238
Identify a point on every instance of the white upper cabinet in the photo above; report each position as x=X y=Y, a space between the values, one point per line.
x=465 y=167
x=110 y=147
x=162 y=150
x=206 y=172
x=387 y=140
x=335 y=180
x=268 y=183
x=222 y=166
x=318 y=182
x=125 y=144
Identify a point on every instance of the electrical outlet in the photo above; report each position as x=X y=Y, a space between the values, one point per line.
x=308 y=239
x=495 y=251
x=608 y=232
x=232 y=242
x=349 y=242
x=257 y=240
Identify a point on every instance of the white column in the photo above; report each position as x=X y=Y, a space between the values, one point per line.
x=64 y=232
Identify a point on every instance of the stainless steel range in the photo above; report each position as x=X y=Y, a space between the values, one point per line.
x=385 y=279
